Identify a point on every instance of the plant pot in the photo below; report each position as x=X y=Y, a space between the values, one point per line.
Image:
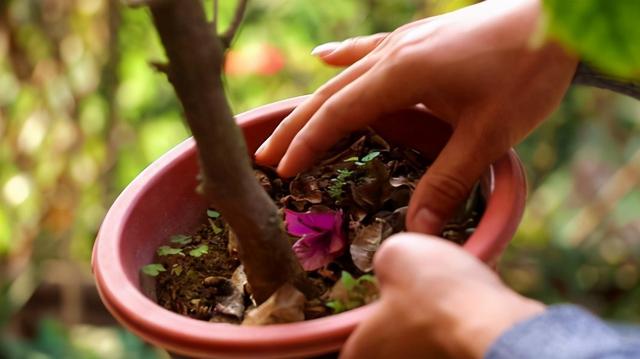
x=162 y=201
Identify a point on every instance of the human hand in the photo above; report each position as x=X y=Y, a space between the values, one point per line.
x=437 y=301
x=474 y=68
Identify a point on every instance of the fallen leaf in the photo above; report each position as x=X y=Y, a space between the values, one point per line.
x=233 y=304
x=305 y=187
x=286 y=305
x=366 y=241
x=373 y=189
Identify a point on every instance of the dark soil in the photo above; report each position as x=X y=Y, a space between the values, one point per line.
x=367 y=180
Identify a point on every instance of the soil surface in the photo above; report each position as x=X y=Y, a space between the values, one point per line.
x=337 y=214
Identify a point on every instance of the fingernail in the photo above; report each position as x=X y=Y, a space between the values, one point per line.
x=325 y=49
x=426 y=222
x=261 y=148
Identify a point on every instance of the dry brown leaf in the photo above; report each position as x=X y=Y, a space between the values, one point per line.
x=286 y=305
x=366 y=241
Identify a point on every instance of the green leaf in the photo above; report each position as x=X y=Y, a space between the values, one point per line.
x=336 y=305
x=604 y=33
x=213 y=214
x=216 y=229
x=181 y=239
x=370 y=156
x=168 y=251
x=367 y=278
x=348 y=281
x=199 y=251
x=153 y=269
x=351 y=159
x=359 y=163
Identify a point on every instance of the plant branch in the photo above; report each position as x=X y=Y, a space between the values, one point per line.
x=195 y=61
x=216 y=8
x=588 y=76
x=228 y=35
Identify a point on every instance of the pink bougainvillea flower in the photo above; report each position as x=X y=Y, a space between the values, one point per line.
x=322 y=238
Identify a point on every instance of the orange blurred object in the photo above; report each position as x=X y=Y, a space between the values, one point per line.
x=261 y=59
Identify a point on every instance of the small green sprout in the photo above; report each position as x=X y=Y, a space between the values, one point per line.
x=336 y=188
x=181 y=239
x=213 y=214
x=351 y=159
x=216 y=229
x=355 y=293
x=153 y=269
x=168 y=251
x=370 y=156
x=199 y=251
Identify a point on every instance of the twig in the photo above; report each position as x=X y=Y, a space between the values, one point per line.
x=215 y=16
x=228 y=35
x=588 y=76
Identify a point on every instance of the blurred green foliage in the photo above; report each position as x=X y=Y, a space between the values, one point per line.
x=603 y=32
x=82 y=113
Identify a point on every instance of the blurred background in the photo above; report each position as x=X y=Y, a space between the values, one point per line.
x=82 y=113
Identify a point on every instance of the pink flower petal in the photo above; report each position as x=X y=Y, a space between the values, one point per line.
x=322 y=237
x=312 y=251
x=299 y=224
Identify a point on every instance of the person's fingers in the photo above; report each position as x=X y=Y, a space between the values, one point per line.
x=447 y=183
x=348 y=51
x=272 y=150
x=380 y=90
x=399 y=255
x=367 y=341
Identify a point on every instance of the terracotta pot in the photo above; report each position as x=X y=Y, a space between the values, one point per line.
x=161 y=202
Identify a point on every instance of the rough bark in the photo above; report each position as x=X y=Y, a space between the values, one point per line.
x=195 y=56
x=588 y=76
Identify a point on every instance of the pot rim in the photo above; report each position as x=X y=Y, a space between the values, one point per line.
x=176 y=332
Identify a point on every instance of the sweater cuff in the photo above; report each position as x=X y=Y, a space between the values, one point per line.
x=563 y=331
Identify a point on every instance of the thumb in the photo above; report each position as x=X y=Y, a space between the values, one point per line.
x=348 y=51
x=448 y=181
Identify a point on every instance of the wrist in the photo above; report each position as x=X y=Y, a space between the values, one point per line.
x=474 y=329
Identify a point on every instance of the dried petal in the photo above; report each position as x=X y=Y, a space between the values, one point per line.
x=286 y=305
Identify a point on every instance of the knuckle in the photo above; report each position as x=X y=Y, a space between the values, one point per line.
x=448 y=188
x=391 y=251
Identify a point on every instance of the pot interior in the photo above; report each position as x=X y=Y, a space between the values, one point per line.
x=169 y=205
